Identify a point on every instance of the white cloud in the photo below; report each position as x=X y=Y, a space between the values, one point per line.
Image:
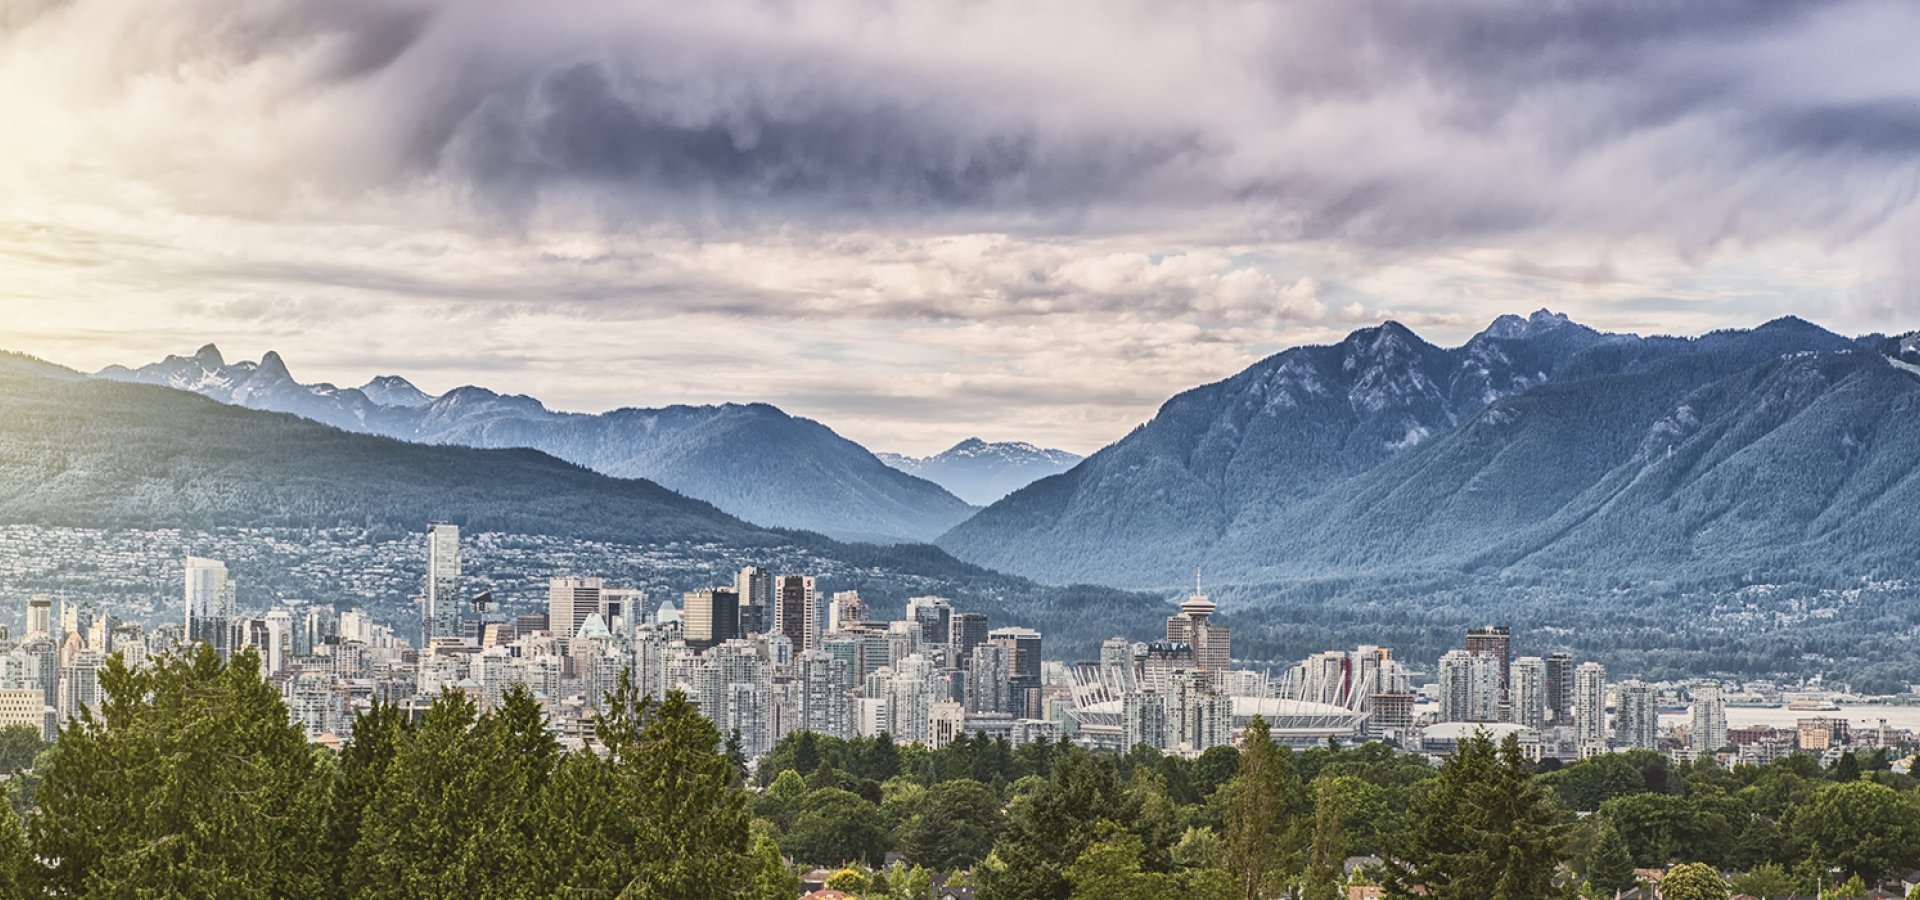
x=918 y=220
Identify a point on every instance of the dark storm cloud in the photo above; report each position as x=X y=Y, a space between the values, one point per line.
x=1366 y=122
x=869 y=155
x=1885 y=128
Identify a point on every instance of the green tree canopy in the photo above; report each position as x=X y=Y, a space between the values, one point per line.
x=1049 y=826
x=1859 y=827
x=190 y=782
x=835 y=827
x=955 y=828
x=1693 y=881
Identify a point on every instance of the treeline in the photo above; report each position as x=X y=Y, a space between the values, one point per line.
x=189 y=781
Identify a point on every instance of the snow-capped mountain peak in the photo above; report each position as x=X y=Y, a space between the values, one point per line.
x=981 y=471
x=395 y=391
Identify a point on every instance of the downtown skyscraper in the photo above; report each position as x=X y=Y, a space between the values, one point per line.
x=210 y=605
x=797 y=611
x=442 y=613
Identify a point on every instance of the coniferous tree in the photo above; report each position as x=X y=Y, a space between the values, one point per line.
x=377 y=736
x=1328 y=852
x=1482 y=830
x=657 y=814
x=1262 y=804
x=768 y=877
x=191 y=781
x=14 y=859
x=452 y=816
x=1610 y=863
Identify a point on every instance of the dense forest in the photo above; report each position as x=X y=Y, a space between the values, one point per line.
x=189 y=781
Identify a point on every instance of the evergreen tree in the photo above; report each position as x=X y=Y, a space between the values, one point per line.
x=657 y=814
x=453 y=814
x=15 y=862
x=377 y=736
x=415 y=838
x=1262 y=804
x=191 y=782
x=768 y=877
x=1609 y=863
x=1327 y=860
x=1481 y=830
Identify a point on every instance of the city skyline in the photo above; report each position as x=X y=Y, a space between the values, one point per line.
x=911 y=222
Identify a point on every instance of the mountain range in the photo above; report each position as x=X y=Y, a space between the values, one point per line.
x=1539 y=448
x=750 y=460
x=86 y=452
x=981 y=472
x=1609 y=493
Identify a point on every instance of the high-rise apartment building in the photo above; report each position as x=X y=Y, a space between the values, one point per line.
x=569 y=602
x=622 y=608
x=279 y=645
x=1637 y=718
x=934 y=615
x=1590 y=706
x=1469 y=687
x=1495 y=641
x=754 y=586
x=797 y=611
x=1023 y=649
x=210 y=605
x=909 y=698
x=1023 y=669
x=1560 y=688
x=1116 y=665
x=39 y=615
x=442 y=612
x=824 y=682
x=846 y=611
x=1327 y=677
x=80 y=683
x=989 y=679
x=1527 y=693
x=709 y=617
x=1709 y=718
x=966 y=631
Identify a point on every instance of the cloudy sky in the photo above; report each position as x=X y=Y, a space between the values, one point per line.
x=926 y=219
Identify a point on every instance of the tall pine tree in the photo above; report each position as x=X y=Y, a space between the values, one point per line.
x=1481 y=830
x=1263 y=805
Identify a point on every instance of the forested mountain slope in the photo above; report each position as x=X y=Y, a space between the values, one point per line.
x=1541 y=449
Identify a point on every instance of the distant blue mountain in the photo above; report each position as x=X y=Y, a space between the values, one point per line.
x=750 y=460
x=981 y=472
x=1540 y=447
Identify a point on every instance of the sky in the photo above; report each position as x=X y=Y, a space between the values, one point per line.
x=922 y=221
